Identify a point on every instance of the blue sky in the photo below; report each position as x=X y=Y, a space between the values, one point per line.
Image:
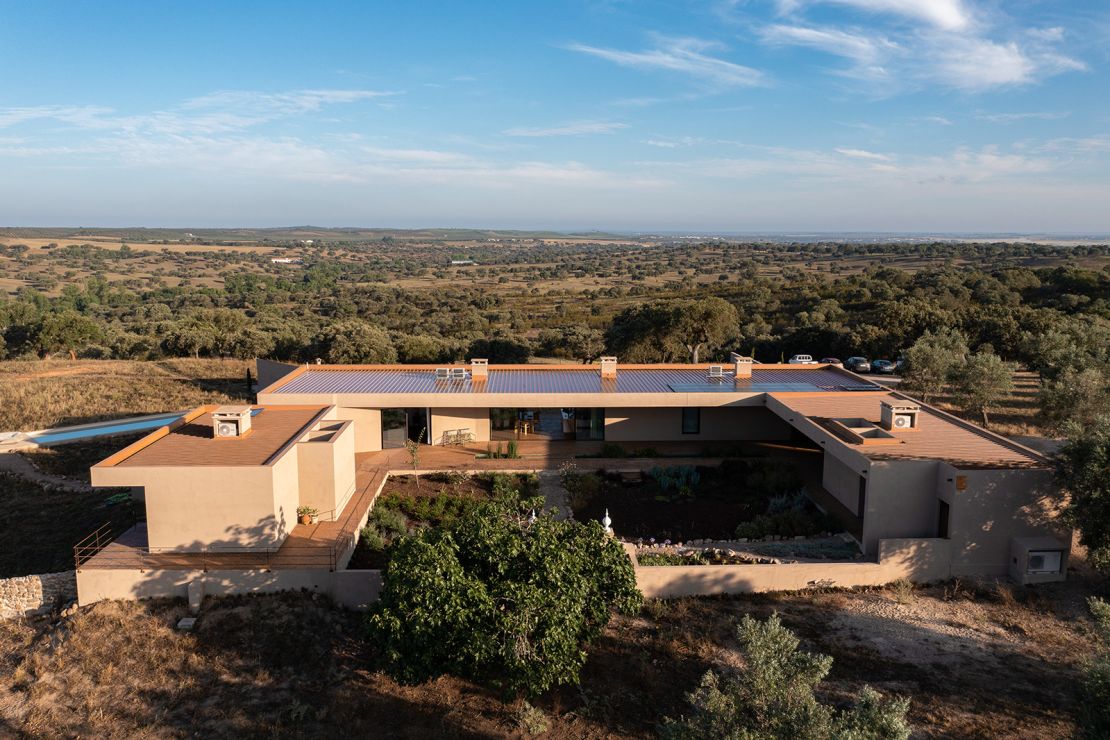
x=750 y=115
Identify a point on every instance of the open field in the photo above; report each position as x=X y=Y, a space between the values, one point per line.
x=976 y=662
x=40 y=394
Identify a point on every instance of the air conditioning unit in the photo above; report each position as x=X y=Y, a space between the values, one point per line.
x=231 y=421
x=716 y=371
x=900 y=416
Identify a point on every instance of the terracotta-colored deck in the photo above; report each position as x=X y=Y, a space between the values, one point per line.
x=328 y=544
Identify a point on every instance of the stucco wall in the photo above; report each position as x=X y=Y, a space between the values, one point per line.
x=476 y=420
x=901 y=501
x=842 y=481
x=196 y=506
x=995 y=507
x=720 y=423
x=24 y=596
x=918 y=560
x=368 y=425
x=326 y=467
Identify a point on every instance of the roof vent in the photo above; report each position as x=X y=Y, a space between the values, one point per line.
x=899 y=416
x=479 y=370
x=231 y=421
x=608 y=367
x=716 y=372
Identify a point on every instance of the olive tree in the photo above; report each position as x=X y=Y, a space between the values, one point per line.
x=931 y=361
x=500 y=598
x=1083 y=472
x=355 y=341
x=982 y=382
x=772 y=696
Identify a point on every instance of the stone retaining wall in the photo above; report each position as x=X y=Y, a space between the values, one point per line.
x=37 y=594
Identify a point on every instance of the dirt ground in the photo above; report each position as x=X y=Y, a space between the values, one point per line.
x=976 y=661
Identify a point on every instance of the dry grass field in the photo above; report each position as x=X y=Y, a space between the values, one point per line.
x=977 y=661
x=46 y=393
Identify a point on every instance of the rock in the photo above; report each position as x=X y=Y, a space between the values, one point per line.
x=186 y=624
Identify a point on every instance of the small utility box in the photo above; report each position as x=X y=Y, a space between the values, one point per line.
x=1038 y=560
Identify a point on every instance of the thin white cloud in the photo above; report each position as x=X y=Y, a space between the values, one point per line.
x=863 y=154
x=864 y=49
x=1031 y=115
x=949 y=15
x=580 y=128
x=938 y=120
x=683 y=55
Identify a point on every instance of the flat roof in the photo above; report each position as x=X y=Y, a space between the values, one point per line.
x=190 y=441
x=563 y=379
x=939 y=436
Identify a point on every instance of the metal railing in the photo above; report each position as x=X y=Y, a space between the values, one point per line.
x=93 y=552
x=100 y=538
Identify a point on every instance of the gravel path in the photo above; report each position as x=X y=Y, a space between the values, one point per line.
x=554 y=495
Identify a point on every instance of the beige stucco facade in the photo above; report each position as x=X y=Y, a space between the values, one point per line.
x=193 y=506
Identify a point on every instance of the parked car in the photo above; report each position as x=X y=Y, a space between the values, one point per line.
x=831 y=361
x=883 y=367
x=858 y=364
x=802 y=360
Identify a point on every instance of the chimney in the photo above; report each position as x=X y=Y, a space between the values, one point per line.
x=231 y=421
x=608 y=367
x=741 y=366
x=479 y=370
x=899 y=416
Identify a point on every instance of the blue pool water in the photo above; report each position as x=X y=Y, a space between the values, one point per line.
x=109 y=427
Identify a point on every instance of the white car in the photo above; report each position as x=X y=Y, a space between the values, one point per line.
x=802 y=360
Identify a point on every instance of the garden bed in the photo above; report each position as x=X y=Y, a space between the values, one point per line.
x=762 y=553
x=749 y=498
x=410 y=502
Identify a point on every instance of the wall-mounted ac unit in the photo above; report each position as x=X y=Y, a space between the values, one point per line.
x=899 y=415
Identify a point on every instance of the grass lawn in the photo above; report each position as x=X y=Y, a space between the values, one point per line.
x=46 y=393
x=975 y=662
x=41 y=525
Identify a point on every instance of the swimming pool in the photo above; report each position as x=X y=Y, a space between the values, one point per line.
x=103 y=429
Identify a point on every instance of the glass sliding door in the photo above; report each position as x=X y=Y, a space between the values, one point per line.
x=394 y=428
x=589 y=424
x=399 y=425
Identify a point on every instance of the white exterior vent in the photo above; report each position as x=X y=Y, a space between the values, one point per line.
x=900 y=416
x=716 y=371
x=741 y=366
x=609 y=367
x=479 y=369
x=231 y=421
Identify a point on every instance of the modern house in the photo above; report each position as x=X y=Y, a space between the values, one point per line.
x=890 y=468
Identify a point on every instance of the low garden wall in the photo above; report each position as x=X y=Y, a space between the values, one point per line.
x=918 y=560
x=37 y=594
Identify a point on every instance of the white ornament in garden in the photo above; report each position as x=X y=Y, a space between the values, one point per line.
x=606 y=522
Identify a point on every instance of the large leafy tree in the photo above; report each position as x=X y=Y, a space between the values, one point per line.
x=1079 y=396
x=1083 y=471
x=666 y=330
x=983 y=381
x=500 y=599
x=932 y=360
x=68 y=331
x=355 y=341
x=773 y=697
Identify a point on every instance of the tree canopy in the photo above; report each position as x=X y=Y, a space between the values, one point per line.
x=500 y=598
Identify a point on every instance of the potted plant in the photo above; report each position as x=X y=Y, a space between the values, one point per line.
x=307 y=514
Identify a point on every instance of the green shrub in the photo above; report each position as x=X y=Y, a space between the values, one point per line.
x=773 y=697
x=511 y=452
x=390 y=522
x=671 y=558
x=1094 y=689
x=611 y=449
x=372 y=538
x=500 y=600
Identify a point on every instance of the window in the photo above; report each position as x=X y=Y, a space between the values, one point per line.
x=861 y=503
x=942 y=520
x=1044 y=561
x=691 y=421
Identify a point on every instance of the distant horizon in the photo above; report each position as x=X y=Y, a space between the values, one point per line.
x=671 y=233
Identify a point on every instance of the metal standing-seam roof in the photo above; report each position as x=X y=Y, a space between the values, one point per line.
x=544 y=380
